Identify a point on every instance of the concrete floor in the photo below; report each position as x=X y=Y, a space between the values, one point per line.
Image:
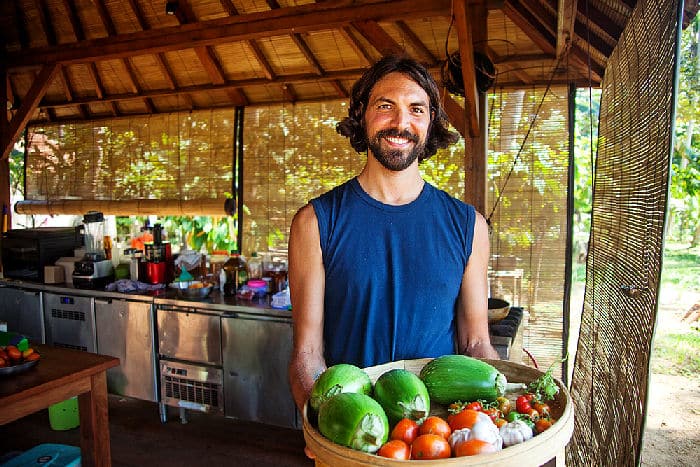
x=139 y=438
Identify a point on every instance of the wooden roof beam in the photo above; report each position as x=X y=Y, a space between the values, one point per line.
x=426 y=55
x=45 y=19
x=347 y=32
x=21 y=22
x=301 y=44
x=302 y=18
x=297 y=78
x=29 y=104
x=466 y=54
x=566 y=16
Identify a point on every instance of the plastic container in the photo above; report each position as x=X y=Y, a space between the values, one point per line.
x=236 y=274
x=53 y=455
x=259 y=287
x=64 y=415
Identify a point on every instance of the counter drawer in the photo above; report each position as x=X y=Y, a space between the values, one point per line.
x=186 y=334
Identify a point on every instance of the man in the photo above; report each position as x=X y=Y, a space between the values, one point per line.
x=387 y=267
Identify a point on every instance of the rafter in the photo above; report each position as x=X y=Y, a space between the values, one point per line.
x=566 y=16
x=29 y=104
x=426 y=55
x=303 y=18
x=45 y=20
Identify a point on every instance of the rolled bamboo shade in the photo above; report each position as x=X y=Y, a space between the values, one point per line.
x=140 y=207
x=167 y=163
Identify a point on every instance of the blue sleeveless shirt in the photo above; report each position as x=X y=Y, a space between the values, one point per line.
x=393 y=274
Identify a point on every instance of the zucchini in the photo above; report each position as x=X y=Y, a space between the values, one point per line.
x=354 y=420
x=452 y=378
x=339 y=378
x=402 y=395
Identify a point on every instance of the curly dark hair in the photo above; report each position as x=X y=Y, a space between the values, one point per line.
x=353 y=126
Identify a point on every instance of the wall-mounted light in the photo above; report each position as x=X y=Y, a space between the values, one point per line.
x=170 y=8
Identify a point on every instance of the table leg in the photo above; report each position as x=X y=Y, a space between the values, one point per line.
x=94 y=424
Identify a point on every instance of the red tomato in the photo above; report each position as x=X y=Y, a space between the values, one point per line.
x=435 y=426
x=3 y=362
x=405 y=430
x=430 y=447
x=504 y=405
x=493 y=413
x=543 y=424
x=472 y=447
x=466 y=419
x=542 y=409
x=395 y=449
x=475 y=406
x=3 y=354
x=522 y=403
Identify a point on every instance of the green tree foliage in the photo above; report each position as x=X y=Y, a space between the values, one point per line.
x=684 y=224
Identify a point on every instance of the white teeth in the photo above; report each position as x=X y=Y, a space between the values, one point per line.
x=397 y=140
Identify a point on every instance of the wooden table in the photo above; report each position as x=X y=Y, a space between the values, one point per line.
x=59 y=375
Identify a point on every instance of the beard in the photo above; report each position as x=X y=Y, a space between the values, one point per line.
x=395 y=160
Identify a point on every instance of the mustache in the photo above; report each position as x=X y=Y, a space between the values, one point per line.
x=394 y=132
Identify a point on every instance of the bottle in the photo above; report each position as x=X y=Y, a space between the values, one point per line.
x=255 y=267
x=236 y=273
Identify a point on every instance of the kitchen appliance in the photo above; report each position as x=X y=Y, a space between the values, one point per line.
x=70 y=321
x=159 y=263
x=94 y=270
x=190 y=360
x=25 y=252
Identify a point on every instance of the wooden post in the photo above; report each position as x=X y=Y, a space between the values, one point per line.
x=4 y=136
x=476 y=160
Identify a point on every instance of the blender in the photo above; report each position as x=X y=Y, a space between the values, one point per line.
x=94 y=270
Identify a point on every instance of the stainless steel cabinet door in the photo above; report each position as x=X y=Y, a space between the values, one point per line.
x=125 y=330
x=256 y=357
x=69 y=321
x=21 y=310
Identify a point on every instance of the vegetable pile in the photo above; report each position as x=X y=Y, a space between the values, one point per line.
x=393 y=420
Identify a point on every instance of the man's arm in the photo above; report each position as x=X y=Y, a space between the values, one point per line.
x=472 y=305
x=306 y=286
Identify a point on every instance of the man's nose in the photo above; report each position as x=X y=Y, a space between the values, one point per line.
x=401 y=118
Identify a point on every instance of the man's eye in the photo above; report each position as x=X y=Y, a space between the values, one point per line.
x=419 y=110
x=384 y=106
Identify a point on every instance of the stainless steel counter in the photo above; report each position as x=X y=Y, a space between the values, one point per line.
x=217 y=354
x=215 y=303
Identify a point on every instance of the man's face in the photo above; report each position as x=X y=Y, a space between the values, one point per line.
x=397 y=121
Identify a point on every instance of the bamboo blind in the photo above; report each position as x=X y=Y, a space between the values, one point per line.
x=528 y=239
x=611 y=371
x=185 y=158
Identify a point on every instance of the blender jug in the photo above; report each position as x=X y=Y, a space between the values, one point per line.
x=94 y=230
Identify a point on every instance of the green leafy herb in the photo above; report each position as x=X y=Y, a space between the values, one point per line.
x=545 y=388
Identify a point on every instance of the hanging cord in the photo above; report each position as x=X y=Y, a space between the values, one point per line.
x=527 y=134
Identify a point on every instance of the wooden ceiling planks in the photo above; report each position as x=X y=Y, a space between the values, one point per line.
x=129 y=57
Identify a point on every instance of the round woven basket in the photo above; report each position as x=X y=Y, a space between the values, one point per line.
x=534 y=452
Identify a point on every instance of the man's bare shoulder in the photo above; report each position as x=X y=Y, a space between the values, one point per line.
x=305 y=215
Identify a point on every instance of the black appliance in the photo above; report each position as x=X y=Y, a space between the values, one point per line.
x=25 y=252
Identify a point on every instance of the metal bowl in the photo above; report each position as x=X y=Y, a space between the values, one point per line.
x=191 y=289
x=498 y=309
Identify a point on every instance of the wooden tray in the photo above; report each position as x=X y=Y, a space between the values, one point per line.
x=534 y=452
